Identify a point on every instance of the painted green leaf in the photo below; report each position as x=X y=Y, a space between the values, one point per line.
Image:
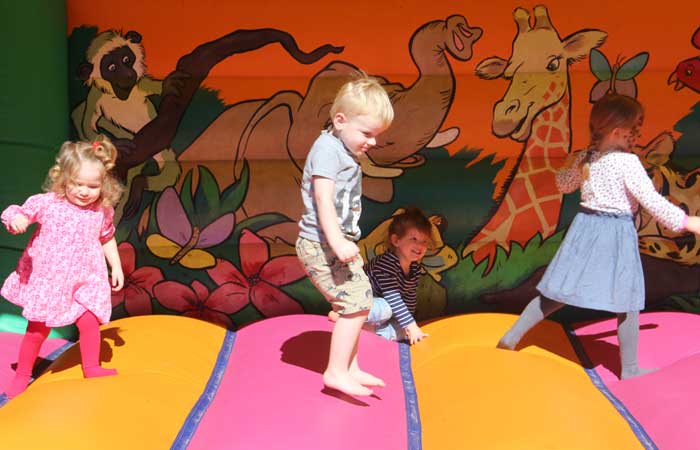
x=257 y=223
x=186 y=195
x=206 y=198
x=633 y=66
x=599 y=65
x=233 y=196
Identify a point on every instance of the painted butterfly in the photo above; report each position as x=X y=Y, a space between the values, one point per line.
x=616 y=79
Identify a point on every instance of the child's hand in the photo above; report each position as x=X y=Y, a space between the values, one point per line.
x=414 y=333
x=345 y=250
x=117 y=278
x=693 y=224
x=571 y=159
x=19 y=224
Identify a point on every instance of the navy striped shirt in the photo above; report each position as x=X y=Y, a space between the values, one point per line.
x=398 y=289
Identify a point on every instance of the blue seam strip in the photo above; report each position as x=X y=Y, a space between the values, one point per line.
x=634 y=424
x=50 y=357
x=413 y=426
x=59 y=351
x=182 y=441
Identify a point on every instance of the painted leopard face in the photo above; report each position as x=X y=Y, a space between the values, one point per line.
x=682 y=188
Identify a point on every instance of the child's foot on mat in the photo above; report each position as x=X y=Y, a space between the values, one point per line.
x=636 y=372
x=17 y=386
x=366 y=379
x=345 y=384
x=505 y=344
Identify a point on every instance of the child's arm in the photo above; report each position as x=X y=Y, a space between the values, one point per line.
x=568 y=177
x=112 y=255
x=415 y=334
x=109 y=246
x=18 y=224
x=324 y=189
x=640 y=186
x=17 y=218
x=693 y=224
x=403 y=315
x=389 y=285
x=398 y=307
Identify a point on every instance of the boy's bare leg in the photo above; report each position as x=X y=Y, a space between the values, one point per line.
x=333 y=317
x=361 y=377
x=344 y=338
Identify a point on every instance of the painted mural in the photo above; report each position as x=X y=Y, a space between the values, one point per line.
x=214 y=108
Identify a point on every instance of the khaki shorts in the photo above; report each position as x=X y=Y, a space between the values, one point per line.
x=345 y=285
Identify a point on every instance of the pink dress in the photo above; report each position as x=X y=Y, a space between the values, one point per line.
x=62 y=272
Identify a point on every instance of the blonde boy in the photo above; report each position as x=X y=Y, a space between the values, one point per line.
x=331 y=190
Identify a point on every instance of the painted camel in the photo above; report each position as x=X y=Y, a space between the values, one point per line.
x=535 y=110
x=193 y=68
x=274 y=136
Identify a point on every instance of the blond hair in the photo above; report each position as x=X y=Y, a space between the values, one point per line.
x=364 y=95
x=69 y=160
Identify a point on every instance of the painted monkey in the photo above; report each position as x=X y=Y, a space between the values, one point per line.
x=178 y=88
x=118 y=104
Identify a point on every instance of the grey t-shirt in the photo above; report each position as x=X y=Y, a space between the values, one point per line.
x=328 y=158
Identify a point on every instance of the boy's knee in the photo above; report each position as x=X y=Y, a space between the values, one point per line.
x=380 y=312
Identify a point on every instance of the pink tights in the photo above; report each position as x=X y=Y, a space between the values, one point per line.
x=36 y=334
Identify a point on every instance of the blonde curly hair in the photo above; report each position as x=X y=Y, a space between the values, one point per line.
x=72 y=155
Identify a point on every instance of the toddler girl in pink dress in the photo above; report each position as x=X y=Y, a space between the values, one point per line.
x=61 y=278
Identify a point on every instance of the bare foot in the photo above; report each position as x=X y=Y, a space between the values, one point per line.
x=346 y=384
x=333 y=316
x=366 y=379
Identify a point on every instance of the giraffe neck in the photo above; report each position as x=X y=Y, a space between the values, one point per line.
x=531 y=203
x=550 y=140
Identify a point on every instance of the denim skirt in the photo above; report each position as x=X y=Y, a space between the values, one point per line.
x=598 y=265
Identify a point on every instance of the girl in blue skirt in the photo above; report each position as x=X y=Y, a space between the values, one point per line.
x=598 y=265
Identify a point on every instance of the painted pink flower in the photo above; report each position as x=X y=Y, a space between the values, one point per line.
x=138 y=283
x=261 y=276
x=196 y=301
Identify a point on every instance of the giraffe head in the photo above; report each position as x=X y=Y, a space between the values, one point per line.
x=537 y=70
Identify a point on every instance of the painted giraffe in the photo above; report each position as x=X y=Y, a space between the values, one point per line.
x=536 y=110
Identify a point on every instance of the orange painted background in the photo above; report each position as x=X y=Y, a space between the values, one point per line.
x=375 y=36
x=504 y=223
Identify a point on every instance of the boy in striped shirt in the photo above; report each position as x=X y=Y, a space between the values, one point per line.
x=394 y=277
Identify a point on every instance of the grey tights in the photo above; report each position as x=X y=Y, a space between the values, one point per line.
x=541 y=307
